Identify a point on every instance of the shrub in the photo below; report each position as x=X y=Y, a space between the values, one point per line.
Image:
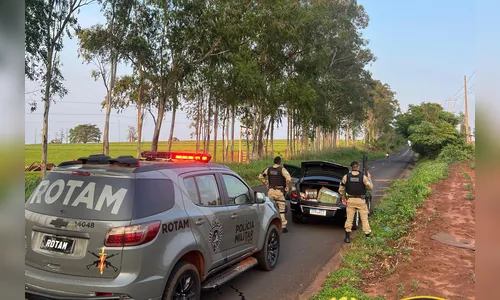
x=456 y=152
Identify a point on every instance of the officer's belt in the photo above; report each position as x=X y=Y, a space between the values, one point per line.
x=356 y=196
x=281 y=188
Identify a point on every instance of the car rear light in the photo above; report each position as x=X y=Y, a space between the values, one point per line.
x=103 y=294
x=133 y=235
x=202 y=157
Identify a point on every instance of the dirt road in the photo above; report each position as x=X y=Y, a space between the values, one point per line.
x=434 y=268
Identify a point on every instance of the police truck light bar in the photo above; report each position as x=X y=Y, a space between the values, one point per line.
x=202 y=157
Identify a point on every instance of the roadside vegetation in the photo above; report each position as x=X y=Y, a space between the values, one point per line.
x=436 y=150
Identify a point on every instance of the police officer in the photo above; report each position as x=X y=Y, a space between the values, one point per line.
x=279 y=181
x=353 y=190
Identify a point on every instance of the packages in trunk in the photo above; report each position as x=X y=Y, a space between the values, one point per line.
x=326 y=195
x=311 y=193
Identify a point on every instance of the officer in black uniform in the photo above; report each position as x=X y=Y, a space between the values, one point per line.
x=279 y=183
x=353 y=190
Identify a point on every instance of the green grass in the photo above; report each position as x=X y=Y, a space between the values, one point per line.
x=390 y=222
x=63 y=152
x=248 y=171
x=470 y=196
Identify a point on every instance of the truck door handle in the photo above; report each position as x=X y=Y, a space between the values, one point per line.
x=199 y=222
x=234 y=216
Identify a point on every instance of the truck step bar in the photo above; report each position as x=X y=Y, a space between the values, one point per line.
x=220 y=278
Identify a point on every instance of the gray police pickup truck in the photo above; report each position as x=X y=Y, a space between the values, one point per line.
x=164 y=227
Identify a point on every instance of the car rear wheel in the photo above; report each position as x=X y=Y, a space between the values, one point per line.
x=268 y=256
x=184 y=283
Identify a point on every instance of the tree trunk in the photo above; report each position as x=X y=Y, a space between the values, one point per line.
x=318 y=138
x=346 y=131
x=139 y=113
x=208 y=125
x=223 y=136
x=157 y=130
x=288 y=129
x=228 y=117
x=216 y=126
x=335 y=137
x=272 y=138
x=233 y=120
x=197 y=132
x=254 y=132
x=45 y=129
x=112 y=78
x=306 y=141
x=267 y=136
x=172 y=125
x=248 y=143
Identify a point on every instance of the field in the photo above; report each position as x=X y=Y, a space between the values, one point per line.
x=248 y=171
x=63 y=152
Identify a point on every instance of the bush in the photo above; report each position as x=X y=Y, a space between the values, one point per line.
x=457 y=152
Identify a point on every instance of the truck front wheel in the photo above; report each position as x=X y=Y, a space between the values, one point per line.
x=268 y=256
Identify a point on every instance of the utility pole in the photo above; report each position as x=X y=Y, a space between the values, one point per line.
x=467 y=136
x=451 y=102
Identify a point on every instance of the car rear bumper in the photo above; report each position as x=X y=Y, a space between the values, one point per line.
x=43 y=285
x=305 y=209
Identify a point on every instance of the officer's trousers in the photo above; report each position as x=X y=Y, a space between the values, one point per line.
x=278 y=195
x=359 y=204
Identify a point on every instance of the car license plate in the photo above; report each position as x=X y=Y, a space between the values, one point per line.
x=57 y=244
x=317 y=212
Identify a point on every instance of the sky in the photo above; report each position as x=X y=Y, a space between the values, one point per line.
x=423 y=48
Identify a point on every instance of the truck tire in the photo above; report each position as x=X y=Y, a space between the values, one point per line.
x=184 y=283
x=268 y=256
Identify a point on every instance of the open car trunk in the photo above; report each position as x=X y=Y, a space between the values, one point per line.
x=323 y=193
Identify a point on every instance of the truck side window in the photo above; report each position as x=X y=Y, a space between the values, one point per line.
x=237 y=192
x=192 y=190
x=208 y=189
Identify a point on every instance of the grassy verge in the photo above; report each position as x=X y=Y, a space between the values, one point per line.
x=389 y=223
x=250 y=171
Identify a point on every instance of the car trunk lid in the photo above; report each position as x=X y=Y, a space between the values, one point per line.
x=323 y=168
x=68 y=218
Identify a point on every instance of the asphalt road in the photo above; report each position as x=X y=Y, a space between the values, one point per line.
x=306 y=248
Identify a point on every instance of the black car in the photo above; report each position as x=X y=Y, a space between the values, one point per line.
x=307 y=182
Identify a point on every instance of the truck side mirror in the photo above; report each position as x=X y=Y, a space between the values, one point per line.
x=260 y=197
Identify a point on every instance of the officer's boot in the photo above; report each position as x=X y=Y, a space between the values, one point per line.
x=347 y=237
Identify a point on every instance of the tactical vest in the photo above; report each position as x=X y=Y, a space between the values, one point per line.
x=355 y=185
x=275 y=177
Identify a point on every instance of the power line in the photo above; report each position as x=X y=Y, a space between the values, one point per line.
x=453 y=97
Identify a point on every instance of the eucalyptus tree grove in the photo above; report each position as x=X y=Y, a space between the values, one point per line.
x=263 y=64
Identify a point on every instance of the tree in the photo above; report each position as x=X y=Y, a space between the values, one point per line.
x=86 y=133
x=429 y=128
x=48 y=21
x=103 y=47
